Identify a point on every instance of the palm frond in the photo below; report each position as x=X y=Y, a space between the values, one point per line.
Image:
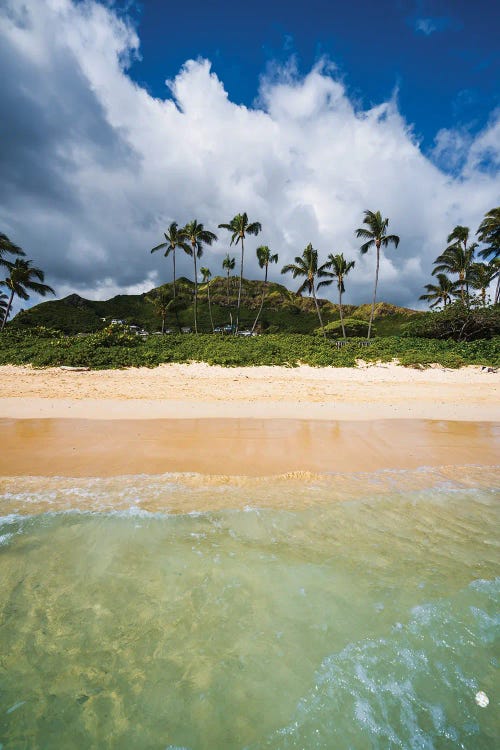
x=367 y=245
x=160 y=247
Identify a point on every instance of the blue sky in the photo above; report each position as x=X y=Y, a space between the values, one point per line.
x=303 y=115
x=442 y=58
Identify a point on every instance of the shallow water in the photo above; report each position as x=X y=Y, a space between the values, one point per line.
x=280 y=618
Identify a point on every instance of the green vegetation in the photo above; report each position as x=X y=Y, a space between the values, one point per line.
x=352 y=327
x=115 y=347
x=114 y=333
x=459 y=322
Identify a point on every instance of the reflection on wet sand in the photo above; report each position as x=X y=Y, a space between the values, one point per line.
x=246 y=447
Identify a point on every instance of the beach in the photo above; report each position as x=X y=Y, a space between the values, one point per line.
x=198 y=390
x=253 y=421
x=198 y=557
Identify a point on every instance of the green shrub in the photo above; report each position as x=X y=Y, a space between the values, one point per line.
x=116 y=348
x=353 y=328
x=458 y=322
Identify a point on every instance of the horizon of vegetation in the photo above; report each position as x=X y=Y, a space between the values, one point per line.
x=457 y=259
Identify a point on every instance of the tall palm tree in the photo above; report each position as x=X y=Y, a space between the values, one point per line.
x=21 y=278
x=174 y=237
x=8 y=247
x=196 y=235
x=340 y=267
x=3 y=305
x=376 y=236
x=239 y=226
x=206 y=274
x=482 y=275
x=489 y=233
x=495 y=262
x=440 y=293
x=307 y=265
x=265 y=257
x=228 y=265
x=457 y=259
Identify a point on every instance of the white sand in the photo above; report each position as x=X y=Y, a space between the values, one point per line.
x=384 y=391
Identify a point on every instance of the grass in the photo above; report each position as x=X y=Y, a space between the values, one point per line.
x=116 y=348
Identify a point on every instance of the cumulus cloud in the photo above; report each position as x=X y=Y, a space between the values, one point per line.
x=94 y=168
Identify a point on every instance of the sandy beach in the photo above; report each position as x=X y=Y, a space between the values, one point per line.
x=383 y=391
x=245 y=421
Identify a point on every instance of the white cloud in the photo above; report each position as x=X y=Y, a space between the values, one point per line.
x=425 y=25
x=94 y=168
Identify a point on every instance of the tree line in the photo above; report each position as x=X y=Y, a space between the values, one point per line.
x=458 y=258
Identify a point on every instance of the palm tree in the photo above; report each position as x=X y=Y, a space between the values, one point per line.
x=489 y=233
x=228 y=265
x=307 y=265
x=174 y=237
x=481 y=276
x=162 y=301
x=3 y=305
x=440 y=293
x=206 y=273
x=340 y=267
x=375 y=235
x=265 y=257
x=239 y=227
x=197 y=235
x=6 y=246
x=22 y=277
x=457 y=258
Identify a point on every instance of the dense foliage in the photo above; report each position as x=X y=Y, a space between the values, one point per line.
x=283 y=312
x=459 y=322
x=115 y=347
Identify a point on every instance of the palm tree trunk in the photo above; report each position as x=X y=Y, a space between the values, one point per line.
x=173 y=258
x=319 y=313
x=228 y=287
x=210 y=307
x=7 y=311
x=497 y=291
x=163 y=324
x=374 y=294
x=340 y=311
x=239 y=288
x=262 y=301
x=195 y=293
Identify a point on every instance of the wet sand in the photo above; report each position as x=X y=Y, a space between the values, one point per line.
x=238 y=447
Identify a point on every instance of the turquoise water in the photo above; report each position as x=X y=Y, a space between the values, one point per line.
x=313 y=623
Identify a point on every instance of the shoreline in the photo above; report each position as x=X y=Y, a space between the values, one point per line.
x=255 y=421
x=239 y=447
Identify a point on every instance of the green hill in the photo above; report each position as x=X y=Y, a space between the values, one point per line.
x=284 y=311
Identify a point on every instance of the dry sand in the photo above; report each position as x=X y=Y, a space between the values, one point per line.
x=245 y=421
x=201 y=391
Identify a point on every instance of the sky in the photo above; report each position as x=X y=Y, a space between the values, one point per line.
x=120 y=117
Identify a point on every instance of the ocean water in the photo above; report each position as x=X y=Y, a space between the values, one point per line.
x=333 y=612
